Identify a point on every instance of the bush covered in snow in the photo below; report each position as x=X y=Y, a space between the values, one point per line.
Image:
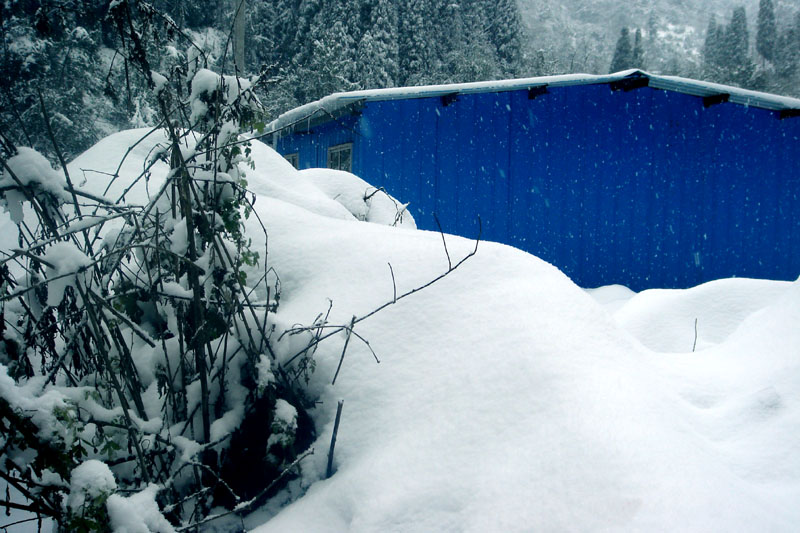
x=138 y=348
x=146 y=384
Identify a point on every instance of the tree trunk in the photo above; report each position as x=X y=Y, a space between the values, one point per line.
x=238 y=37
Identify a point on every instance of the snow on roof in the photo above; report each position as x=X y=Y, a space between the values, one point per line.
x=329 y=105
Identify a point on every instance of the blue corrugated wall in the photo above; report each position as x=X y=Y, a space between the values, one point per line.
x=646 y=188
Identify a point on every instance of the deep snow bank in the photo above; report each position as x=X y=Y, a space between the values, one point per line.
x=508 y=399
x=664 y=319
x=133 y=156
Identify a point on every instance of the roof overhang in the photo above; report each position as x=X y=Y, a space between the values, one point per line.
x=337 y=105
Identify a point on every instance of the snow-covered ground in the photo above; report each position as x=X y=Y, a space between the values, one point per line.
x=507 y=398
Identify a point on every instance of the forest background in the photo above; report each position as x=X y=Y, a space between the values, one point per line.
x=65 y=51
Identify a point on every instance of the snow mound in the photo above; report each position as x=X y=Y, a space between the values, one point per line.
x=361 y=199
x=664 y=319
x=142 y=173
x=612 y=297
x=508 y=399
x=32 y=168
x=276 y=178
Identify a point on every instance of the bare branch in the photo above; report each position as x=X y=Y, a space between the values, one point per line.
x=244 y=506
x=444 y=242
x=394 y=284
x=329 y=469
x=344 y=350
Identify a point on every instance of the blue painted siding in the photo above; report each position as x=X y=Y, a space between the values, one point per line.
x=312 y=146
x=646 y=188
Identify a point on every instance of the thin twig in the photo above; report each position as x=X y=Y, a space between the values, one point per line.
x=346 y=342
x=394 y=284
x=60 y=156
x=6 y=526
x=431 y=282
x=444 y=242
x=329 y=470
x=244 y=506
x=394 y=301
x=365 y=341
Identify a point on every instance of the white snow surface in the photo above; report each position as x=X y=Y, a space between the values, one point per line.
x=32 y=168
x=29 y=167
x=138 y=513
x=361 y=199
x=507 y=398
x=62 y=259
x=89 y=480
x=664 y=320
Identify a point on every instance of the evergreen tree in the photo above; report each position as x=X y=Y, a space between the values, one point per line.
x=51 y=60
x=305 y=48
x=766 y=34
x=726 y=54
x=332 y=62
x=453 y=37
x=787 y=60
x=720 y=41
x=737 y=64
x=377 y=57
x=623 y=53
x=415 y=41
x=738 y=39
x=307 y=17
x=711 y=46
x=465 y=50
x=637 y=56
x=652 y=31
x=505 y=31
x=712 y=50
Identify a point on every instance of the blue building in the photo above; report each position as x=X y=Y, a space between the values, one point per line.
x=631 y=178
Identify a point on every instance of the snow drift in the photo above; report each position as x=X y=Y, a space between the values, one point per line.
x=507 y=398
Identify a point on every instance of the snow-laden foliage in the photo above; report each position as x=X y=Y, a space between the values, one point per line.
x=135 y=346
x=142 y=363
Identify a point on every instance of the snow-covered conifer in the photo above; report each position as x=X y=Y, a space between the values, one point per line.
x=766 y=33
x=623 y=52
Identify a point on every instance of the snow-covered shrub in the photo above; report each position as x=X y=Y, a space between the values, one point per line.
x=134 y=349
x=141 y=361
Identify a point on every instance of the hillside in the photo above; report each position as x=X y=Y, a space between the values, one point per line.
x=579 y=35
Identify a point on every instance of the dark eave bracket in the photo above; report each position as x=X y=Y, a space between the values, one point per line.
x=788 y=113
x=535 y=92
x=448 y=99
x=715 y=99
x=630 y=83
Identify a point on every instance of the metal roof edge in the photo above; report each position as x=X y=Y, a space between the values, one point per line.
x=746 y=97
x=332 y=105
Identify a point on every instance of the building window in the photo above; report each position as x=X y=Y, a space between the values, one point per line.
x=340 y=157
x=294 y=159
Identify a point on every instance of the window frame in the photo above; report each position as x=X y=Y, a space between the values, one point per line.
x=293 y=159
x=334 y=156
